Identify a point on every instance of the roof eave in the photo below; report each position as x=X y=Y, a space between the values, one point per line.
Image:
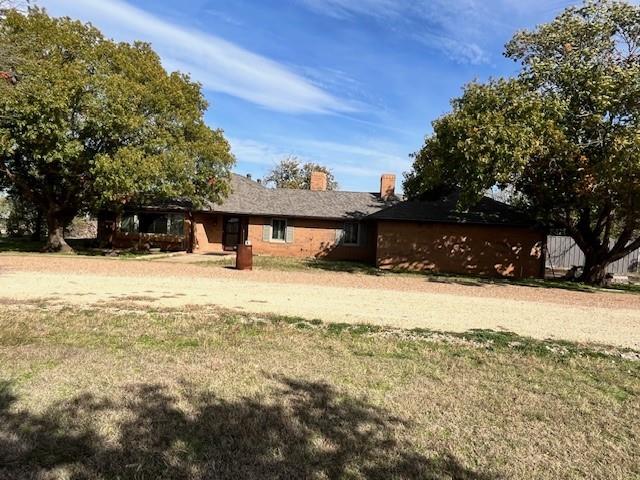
x=459 y=222
x=280 y=215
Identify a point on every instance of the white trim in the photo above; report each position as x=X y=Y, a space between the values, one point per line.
x=289 y=233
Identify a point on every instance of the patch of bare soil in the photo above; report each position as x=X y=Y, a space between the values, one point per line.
x=417 y=283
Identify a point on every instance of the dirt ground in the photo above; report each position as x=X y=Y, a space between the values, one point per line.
x=401 y=301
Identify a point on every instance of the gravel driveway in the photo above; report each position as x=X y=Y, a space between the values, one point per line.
x=402 y=301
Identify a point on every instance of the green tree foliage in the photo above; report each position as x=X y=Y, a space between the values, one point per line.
x=22 y=218
x=92 y=124
x=564 y=134
x=291 y=173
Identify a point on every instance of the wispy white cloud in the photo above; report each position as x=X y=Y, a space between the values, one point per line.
x=347 y=8
x=462 y=30
x=354 y=164
x=437 y=24
x=220 y=15
x=456 y=50
x=218 y=64
x=376 y=155
x=256 y=153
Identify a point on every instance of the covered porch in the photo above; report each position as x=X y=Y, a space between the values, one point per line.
x=218 y=232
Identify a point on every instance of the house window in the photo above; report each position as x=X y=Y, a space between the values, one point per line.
x=155 y=223
x=129 y=223
x=176 y=224
x=351 y=234
x=278 y=230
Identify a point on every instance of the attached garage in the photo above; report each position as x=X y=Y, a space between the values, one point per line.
x=491 y=240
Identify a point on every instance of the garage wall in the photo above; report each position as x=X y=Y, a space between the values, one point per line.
x=493 y=251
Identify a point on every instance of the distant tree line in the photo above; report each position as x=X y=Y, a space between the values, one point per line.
x=290 y=172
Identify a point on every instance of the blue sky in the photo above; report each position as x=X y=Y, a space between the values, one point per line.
x=352 y=84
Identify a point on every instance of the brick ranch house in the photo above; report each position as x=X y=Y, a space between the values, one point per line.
x=492 y=239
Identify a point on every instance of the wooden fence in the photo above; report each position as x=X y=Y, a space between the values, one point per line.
x=563 y=253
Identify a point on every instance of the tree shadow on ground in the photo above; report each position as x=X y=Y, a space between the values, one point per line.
x=547 y=283
x=300 y=430
x=342 y=266
x=81 y=246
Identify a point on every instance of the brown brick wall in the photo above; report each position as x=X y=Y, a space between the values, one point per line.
x=207 y=229
x=465 y=249
x=311 y=238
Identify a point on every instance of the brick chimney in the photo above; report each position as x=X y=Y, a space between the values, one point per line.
x=318 y=181
x=387 y=186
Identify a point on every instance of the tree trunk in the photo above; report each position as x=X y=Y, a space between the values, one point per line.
x=595 y=270
x=55 y=239
x=106 y=228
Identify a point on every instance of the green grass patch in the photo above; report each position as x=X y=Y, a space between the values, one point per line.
x=287 y=264
x=183 y=393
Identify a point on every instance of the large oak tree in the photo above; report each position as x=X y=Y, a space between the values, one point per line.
x=87 y=123
x=564 y=133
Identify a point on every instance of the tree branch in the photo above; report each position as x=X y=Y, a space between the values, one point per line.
x=22 y=187
x=634 y=245
x=604 y=220
x=623 y=240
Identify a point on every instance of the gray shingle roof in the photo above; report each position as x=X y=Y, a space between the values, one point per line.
x=445 y=210
x=252 y=198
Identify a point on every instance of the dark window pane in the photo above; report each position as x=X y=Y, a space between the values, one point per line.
x=279 y=229
x=153 y=223
x=351 y=233
x=233 y=225
x=176 y=224
x=129 y=223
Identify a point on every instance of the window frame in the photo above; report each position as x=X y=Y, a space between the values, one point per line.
x=284 y=230
x=344 y=234
x=134 y=225
x=174 y=222
x=175 y=219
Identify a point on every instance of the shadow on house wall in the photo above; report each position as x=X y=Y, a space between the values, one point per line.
x=489 y=251
x=304 y=430
x=364 y=252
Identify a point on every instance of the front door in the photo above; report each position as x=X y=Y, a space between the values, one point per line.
x=234 y=231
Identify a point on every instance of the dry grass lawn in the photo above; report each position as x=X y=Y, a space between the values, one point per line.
x=118 y=391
